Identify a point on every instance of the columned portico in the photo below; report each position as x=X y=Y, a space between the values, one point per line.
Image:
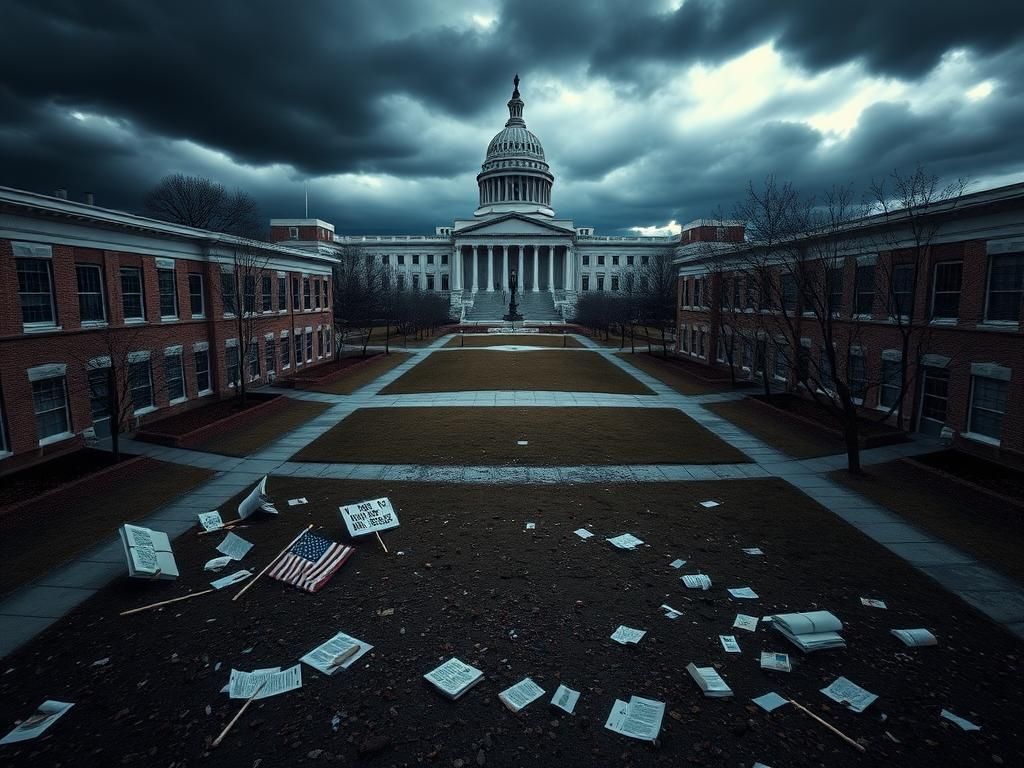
x=551 y=268
x=520 y=273
x=490 y=268
x=504 y=268
x=536 y=268
x=476 y=284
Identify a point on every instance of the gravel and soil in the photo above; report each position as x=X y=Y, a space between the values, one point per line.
x=256 y=434
x=361 y=373
x=674 y=374
x=793 y=437
x=525 y=340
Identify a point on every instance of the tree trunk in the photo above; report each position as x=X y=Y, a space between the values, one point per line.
x=632 y=338
x=114 y=406
x=763 y=354
x=387 y=335
x=664 y=344
x=366 y=341
x=852 y=437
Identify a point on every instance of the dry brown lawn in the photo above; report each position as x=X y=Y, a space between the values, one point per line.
x=363 y=375
x=525 y=340
x=488 y=436
x=789 y=435
x=671 y=374
x=260 y=432
x=543 y=370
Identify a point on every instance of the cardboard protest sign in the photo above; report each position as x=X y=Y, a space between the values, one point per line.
x=369 y=517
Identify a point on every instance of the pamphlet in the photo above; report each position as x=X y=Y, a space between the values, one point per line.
x=519 y=695
x=778 y=662
x=852 y=695
x=915 y=638
x=697 y=581
x=709 y=504
x=454 y=678
x=743 y=593
x=583 y=533
x=753 y=551
x=244 y=684
x=210 y=520
x=749 y=623
x=46 y=715
x=565 y=698
x=770 y=701
x=234 y=546
x=298 y=502
x=218 y=563
x=340 y=652
x=677 y=563
x=709 y=681
x=638 y=718
x=234 y=578
x=625 y=635
x=729 y=643
x=625 y=541
x=966 y=725
x=872 y=603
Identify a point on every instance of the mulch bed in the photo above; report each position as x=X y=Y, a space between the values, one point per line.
x=674 y=374
x=256 y=434
x=526 y=340
x=361 y=374
x=40 y=478
x=779 y=430
x=990 y=475
x=542 y=370
x=488 y=436
x=473 y=583
x=197 y=418
x=873 y=433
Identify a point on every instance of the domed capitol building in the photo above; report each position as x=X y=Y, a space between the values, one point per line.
x=513 y=229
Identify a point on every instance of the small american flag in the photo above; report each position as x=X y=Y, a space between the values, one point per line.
x=310 y=562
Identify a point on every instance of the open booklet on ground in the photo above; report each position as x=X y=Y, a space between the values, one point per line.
x=148 y=553
x=849 y=693
x=810 y=631
x=521 y=694
x=637 y=718
x=710 y=682
x=46 y=715
x=340 y=652
x=454 y=678
x=274 y=681
x=915 y=638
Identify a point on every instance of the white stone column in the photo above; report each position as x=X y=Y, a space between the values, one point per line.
x=490 y=269
x=568 y=270
x=522 y=275
x=472 y=250
x=504 y=268
x=536 y=269
x=551 y=268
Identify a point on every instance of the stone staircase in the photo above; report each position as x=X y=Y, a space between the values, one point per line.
x=538 y=307
x=489 y=307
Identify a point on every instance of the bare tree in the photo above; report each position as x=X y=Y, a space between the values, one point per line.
x=658 y=286
x=359 y=281
x=241 y=290
x=198 y=202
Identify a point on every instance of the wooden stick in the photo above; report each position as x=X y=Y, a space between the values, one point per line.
x=155 y=574
x=167 y=602
x=219 y=739
x=225 y=527
x=272 y=562
x=377 y=534
x=832 y=728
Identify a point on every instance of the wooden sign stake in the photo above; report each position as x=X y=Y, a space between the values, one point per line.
x=226 y=527
x=272 y=562
x=167 y=602
x=219 y=739
x=832 y=728
x=377 y=534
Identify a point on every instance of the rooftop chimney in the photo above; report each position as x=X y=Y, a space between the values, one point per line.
x=61 y=194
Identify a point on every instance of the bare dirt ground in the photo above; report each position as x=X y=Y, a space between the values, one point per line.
x=472 y=582
x=526 y=340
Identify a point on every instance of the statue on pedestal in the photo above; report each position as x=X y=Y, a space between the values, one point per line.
x=513 y=312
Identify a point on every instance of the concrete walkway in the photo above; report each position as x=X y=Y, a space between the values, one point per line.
x=34 y=607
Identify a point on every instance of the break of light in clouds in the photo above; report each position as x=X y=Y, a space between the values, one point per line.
x=651 y=113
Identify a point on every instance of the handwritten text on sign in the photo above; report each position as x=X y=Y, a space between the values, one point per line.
x=369 y=516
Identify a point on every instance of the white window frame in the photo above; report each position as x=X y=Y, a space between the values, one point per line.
x=134 y=319
x=172 y=352
x=45 y=373
x=991 y=372
x=309 y=351
x=162 y=268
x=40 y=253
x=942 y=319
x=270 y=353
x=286 y=340
x=135 y=358
x=201 y=314
x=988 y=293
x=102 y=294
x=293 y=233
x=202 y=348
x=232 y=344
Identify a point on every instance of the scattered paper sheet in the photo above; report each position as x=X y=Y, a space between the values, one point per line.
x=242 y=685
x=565 y=698
x=234 y=578
x=760 y=765
x=872 y=603
x=522 y=442
x=210 y=520
x=744 y=593
x=454 y=677
x=729 y=643
x=340 y=652
x=519 y=695
x=626 y=635
x=583 y=533
x=770 y=701
x=217 y=563
x=298 y=502
x=915 y=638
x=531 y=526
x=625 y=541
x=852 y=695
x=966 y=725
x=638 y=718
x=670 y=612
x=697 y=581
x=677 y=563
x=256 y=501
x=46 y=715
x=778 y=662
x=234 y=546
x=749 y=623
x=709 y=504
x=753 y=551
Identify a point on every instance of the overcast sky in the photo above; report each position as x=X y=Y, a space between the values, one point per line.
x=650 y=111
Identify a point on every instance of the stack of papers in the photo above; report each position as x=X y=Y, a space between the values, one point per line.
x=625 y=635
x=637 y=718
x=915 y=638
x=812 y=631
x=340 y=652
x=148 y=553
x=778 y=662
x=852 y=695
x=697 y=581
x=565 y=699
x=454 y=678
x=710 y=681
x=519 y=695
x=274 y=680
x=625 y=541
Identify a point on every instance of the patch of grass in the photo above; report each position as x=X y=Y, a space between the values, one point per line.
x=525 y=340
x=789 y=435
x=672 y=374
x=362 y=375
x=70 y=522
x=489 y=436
x=261 y=431
x=543 y=370
x=972 y=520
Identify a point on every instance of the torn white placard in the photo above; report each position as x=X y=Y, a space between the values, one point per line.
x=915 y=638
x=778 y=662
x=626 y=635
x=531 y=526
x=638 y=718
x=749 y=623
x=770 y=701
x=522 y=442
x=369 y=516
x=242 y=685
x=583 y=533
x=744 y=593
x=709 y=504
x=565 y=698
x=677 y=564
x=852 y=695
x=670 y=612
x=298 y=502
x=872 y=603
x=234 y=578
x=753 y=551
x=210 y=520
x=217 y=563
x=234 y=546
x=45 y=716
x=256 y=501
x=697 y=581
x=966 y=725
x=340 y=652
x=625 y=541
x=729 y=643
x=519 y=695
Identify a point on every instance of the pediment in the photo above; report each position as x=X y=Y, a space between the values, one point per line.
x=513 y=224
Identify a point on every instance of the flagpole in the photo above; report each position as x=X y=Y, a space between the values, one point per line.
x=272 y=562
x=219 y=739
x=377 y=534
x=167 y=602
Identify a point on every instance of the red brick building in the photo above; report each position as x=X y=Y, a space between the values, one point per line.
x=964 y=295
x=83 y=288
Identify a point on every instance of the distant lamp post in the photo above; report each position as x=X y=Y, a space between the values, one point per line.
x=513 y=310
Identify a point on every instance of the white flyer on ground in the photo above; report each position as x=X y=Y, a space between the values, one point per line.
x=217 y=563
x=749 y=623
x=531 y=526
x=234 y=578
x=753 y=551
x=626 y=635
x=298 y=502
x=743 y=593
x=915 y=638
x=369 y=516
x=583 y=533
x=872 y=603
x=709 y=504
x=340 y=652
x=234 y=546
x=966 y=725
x=519 y=695
x=565 y=698
x=670 y=612
x=638 y=718
x=677 y=563
x=777 y=662
x=46 y=715
x=770 y=701
x=729 y=643
x=210 y=520
x=245 y=684
x=852 y=695
x=625 y=541
x=697 y=581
